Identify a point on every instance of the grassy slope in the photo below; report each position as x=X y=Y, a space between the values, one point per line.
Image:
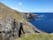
x=8 y=12
x=36 y=37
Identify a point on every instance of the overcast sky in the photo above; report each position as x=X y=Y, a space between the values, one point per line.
x=30 y=5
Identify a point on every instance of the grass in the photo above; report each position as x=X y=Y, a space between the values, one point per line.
x=36 y=37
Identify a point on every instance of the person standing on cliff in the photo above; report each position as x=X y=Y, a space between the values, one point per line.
x=21 y=29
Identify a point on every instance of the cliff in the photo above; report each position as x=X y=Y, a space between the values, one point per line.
x=7 y=16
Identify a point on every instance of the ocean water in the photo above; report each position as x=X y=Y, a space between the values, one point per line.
x=44 y=22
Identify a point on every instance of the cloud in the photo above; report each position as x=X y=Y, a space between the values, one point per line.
x=20 y=3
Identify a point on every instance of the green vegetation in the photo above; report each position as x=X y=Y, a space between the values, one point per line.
x=36 y=37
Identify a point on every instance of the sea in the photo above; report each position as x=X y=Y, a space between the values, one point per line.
x=43 y=21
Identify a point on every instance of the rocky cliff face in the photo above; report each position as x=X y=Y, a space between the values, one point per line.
x=7 y=16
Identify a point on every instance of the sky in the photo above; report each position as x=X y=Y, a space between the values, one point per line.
x=30 y=5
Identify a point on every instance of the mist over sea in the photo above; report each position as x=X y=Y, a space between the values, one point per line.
x=44 y=22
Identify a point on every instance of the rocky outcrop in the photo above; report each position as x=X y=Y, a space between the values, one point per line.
x=7 y=16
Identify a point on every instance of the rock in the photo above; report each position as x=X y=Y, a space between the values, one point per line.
x=7 y=16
